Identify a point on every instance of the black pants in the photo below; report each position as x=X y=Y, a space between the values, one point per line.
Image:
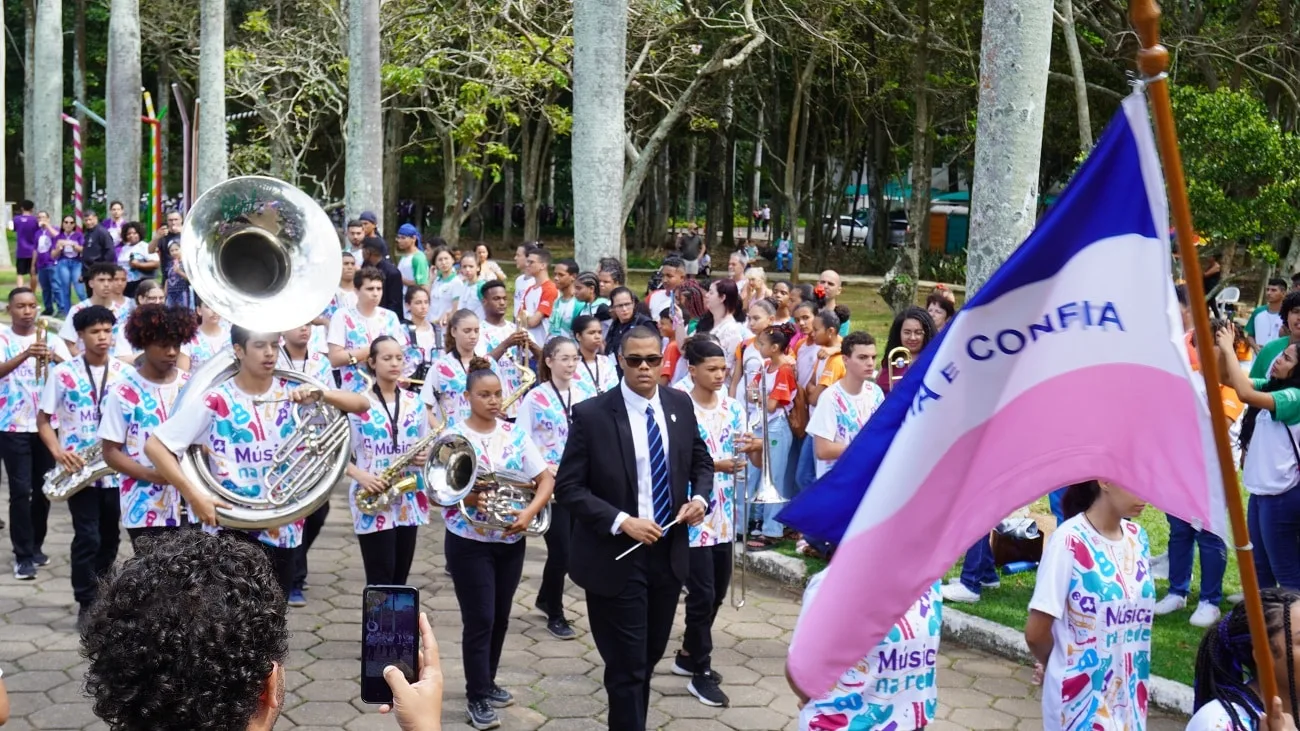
x=95 y=514
x=550 y=597
x=485 y=576
x=706 y=589
x=26 y=461
x=631 y=631
x=310 y=530
x=387 y=554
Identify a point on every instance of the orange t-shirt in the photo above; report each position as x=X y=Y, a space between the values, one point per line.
x=672 y=354
x=783 y=386
x=1232 y=405
x=833 y=371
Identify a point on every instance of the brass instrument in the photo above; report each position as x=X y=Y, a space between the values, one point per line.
x=371 y=503
x=500 y=496
x=526 y=380
x=900 y=358
x=43 y=361
x=60 y=484
x=766 y=494
x=258 y=252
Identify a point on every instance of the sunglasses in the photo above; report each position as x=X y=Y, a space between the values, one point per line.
x=636 y=361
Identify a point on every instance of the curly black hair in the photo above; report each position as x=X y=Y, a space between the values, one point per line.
x=150 y=324
x=185 y=634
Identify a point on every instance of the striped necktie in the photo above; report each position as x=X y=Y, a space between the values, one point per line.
x=660 y=494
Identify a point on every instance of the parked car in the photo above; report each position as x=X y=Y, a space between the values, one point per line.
x=898 y=227
x=846 y=229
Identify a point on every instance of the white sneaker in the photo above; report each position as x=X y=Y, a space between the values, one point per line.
x=1170 y=604
x=1160 y=566
x=1235 y=599
x=959 y=593
x=1206 y=615
x=983 y=584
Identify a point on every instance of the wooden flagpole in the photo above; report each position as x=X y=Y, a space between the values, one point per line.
x=1153 y=62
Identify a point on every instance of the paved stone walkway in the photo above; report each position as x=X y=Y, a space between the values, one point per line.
x=558 y=684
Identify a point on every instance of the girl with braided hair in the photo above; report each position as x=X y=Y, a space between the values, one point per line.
x=1227 y=679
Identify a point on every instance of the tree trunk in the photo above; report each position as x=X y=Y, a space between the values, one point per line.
x=599 y=63
x=690 y=182
x=5 y=260
x=449 y=226
x=728 y=132
x=364 y=187
x=714 y=221
x=211 y=160
x=535 y=144
x=394 y=133
x=1016 y=48
x=508 y=202
x=29 y=91
x=899 y=289
x=794 y=158
x=550 y=184
x=757 y=181
x=663 y=201
x=47 y=138
x=1065 y=15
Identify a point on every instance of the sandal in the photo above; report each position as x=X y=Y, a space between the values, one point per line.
x=761 y=543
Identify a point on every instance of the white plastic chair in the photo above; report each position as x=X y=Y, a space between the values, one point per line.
x=1228 y=296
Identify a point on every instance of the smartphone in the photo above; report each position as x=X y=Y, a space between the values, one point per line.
x=390 y=635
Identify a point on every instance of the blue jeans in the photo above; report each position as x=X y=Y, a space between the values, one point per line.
x=805 y=471
x=779 y=442
x=1214 y=560
x=1274 y=524
x=978 y=568
x=67 y=276
x=45 y=275
x=780 y=258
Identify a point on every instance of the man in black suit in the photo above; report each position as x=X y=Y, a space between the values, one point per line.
x=634 y=462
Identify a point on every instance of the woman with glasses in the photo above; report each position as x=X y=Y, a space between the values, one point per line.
x=623 y=307
x=42 y=264
x=66 y=252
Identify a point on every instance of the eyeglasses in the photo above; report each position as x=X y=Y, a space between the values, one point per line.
x=624 y=305
x=636 y=361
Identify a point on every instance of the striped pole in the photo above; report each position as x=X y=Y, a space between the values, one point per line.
x=78 y=181
x=155 y=126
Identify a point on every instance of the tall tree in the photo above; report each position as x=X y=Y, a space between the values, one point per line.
x=1015 y=51
x=212 y=167
x=46 y=155
x=123 y=102
x=365 y=133
x=599 y=60
x=29 y=92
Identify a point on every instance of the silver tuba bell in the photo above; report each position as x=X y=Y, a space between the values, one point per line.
x=451 y=471
x=264 y=256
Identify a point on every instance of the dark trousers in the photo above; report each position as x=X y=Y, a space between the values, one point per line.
x=631 y=631
x=95 y=515
x=706 y=588
x=550 y=597
x=978 y=567
x=485 y=576
x=387 y=554
x=311 y=529
x=26 y=461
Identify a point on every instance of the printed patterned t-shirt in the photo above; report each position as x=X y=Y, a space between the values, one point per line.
x=120 y=310
x=598 y=376
x=375 y=447
x=203 y=347
x=490 y=337
x=717 y=425
x=507 y=450
x=545 y=414
x=241 y=438
x=349 y=329
x=446 y=380
x=315 y=365
x=839 y=416
x=1102 y=596
x=133 y=410
x=73 y=401
x=20 y=392
x=894 y=686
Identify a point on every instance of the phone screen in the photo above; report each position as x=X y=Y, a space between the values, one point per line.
x=390 y=636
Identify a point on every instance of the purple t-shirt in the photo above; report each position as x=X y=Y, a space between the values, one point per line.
x=25 y=227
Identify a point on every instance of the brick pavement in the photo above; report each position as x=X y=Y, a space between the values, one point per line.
x=558 y=684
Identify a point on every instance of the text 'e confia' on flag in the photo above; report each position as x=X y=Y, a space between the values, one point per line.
x=1068 y=365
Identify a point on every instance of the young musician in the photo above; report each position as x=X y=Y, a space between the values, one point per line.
x=777 y=370
x=242 y=423
x=212 y=337
x=99 y=278
x=444 y=388
x=423 y=345
x=139 y=405
x=720 y=419
x=390 y=427
x=486 y=563
x=72 y=398
x=26 y=459
x=353 y=329
x=596 y=371
x=544 y=413
x=503 y=337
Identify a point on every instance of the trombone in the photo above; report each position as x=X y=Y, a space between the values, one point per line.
x=766 y=494
x=899 y=358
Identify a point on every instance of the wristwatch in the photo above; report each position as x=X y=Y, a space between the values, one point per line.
x=352 y=359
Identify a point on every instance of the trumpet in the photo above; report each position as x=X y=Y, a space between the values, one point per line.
x=900 y=358
x=42 y=361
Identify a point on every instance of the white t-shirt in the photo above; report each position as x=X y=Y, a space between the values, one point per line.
x=1102 y=597
x=1214 y=717
x=137 y=252
x=1271 y=467
x=1265 y=326
x=894 y=686
x=469 y=298
x=660 y=300
x=522 y=283
x=839 y=415
x=443 y=294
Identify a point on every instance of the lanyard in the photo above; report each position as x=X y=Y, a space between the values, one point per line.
x=96 y=389
x=595 y=377
x=293 y=366
x=393 y=416
x=568 y=417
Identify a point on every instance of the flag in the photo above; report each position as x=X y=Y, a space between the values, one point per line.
x=1068 y=365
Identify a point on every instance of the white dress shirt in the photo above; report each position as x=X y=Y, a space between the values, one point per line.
x=636 y=408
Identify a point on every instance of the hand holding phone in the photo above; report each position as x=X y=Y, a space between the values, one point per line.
x=418 y=706
x=390 y=637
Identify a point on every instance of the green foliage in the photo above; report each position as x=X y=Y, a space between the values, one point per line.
x=939 y=267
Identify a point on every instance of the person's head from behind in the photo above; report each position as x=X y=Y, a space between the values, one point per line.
x=159 y=332
x=640 y=357
x=26 y=207
x=190 y=634
x=1114 y=500
x=859 y=351
x=94 y=325
x=1225 y=663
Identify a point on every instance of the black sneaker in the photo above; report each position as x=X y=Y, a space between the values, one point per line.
x=481 y=714
x=704 y=686
x=499 y=697
x=40 y=559
x=560 y=629
x=684 y=666
x=24 y=570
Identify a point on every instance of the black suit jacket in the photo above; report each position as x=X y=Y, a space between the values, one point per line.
x=597 y=480
x=394 y=291
x=99 y=247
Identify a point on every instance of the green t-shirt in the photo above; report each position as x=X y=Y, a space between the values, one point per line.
x=1286 y=403
x=1267 y=354
x=415 y=266
x=562 y=314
